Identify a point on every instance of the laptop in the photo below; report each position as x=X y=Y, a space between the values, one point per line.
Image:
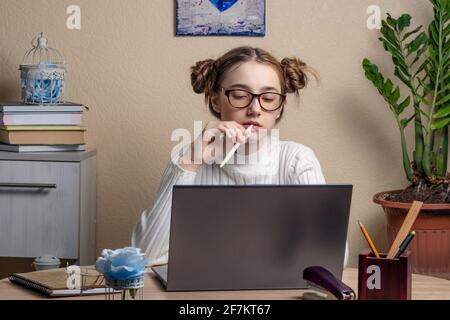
x=250 y=237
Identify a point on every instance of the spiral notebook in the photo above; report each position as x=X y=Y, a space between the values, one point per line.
x=54 y=283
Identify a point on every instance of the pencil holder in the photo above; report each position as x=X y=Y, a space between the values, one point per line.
x=382 y=278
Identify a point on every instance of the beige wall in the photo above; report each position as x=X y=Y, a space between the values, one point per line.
x=130 y=69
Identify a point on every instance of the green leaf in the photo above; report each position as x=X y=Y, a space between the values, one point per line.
x=401 y=64
x=434 y=32
x=444 y=112
x=399 y=75
x=388 y=88
x=388 y=46
x=439 y=124
x=407 y=35
x=421 y=68
x=388 y=32
x=403 y=21
x=447 y=87
x=415 y=44
x=391 y=21
x=423 y=100
x=404 y=122
x=420 y=52
x=404 y=104
x=446 y=77
x=372 y=73
x=442 y=101
x=447 y=31
x=395 y=95
x=427 y=88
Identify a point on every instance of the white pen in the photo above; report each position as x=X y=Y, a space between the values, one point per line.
x=236 y=146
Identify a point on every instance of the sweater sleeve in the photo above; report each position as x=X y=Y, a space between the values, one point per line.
x=305 y=169
x=151 y=232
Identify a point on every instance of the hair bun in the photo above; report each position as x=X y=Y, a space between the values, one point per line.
x=295 y=74
x=201 y=75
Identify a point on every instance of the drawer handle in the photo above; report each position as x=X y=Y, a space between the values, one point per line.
x=28 y=185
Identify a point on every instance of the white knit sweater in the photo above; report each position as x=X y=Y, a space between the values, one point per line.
x=278 y=162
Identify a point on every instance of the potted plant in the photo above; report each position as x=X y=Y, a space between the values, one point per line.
x=421 y=61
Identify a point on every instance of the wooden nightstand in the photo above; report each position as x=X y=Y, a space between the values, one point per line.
x=48 y=205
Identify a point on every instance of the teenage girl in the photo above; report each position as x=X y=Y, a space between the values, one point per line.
x=246 y=86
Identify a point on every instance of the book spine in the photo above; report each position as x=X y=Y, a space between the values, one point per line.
x=38 y=109
x=41 y=119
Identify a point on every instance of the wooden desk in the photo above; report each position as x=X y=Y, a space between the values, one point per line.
x=423 y=288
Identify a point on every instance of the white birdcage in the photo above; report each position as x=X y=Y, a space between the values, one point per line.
x=129 y=288
x=42 y=74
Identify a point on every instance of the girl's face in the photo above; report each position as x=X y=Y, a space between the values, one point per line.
x=256 y=78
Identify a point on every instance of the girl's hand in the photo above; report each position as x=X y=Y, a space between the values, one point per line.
x=210 y=142
x=218 y=137
x=231 y=129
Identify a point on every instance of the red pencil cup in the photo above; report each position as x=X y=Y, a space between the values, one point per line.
x=382 y=278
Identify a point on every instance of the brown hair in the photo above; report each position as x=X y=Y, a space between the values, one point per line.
x=207 y=75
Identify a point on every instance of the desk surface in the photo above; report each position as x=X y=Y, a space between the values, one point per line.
x=423 y=288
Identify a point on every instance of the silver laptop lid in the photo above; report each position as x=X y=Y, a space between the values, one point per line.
x=255 y=236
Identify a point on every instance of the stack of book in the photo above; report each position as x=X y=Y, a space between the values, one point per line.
x=46 y=128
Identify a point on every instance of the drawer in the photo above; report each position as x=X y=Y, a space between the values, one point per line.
x=36 y=219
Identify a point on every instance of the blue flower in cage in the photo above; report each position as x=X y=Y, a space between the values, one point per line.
x=121 y=264
x=44 y=90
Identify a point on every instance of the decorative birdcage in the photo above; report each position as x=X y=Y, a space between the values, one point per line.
x=123 y=270
x=42 y=74
x=132 y=288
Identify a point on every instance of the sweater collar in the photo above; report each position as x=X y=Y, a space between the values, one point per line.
x=262 y=162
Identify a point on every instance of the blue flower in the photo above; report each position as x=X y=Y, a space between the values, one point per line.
x=43 y=84
x=121 y=264
x=43 y=90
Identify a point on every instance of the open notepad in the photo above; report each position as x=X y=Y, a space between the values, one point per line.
x=53 y=283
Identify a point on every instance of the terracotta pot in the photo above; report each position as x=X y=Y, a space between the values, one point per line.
x=431 y=245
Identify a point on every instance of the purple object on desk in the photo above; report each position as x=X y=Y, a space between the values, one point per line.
x=324 y=279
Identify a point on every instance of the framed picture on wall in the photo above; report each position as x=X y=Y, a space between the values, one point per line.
x=221 y=17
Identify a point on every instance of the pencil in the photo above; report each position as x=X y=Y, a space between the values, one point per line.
x=369 y=240
x=236 y=146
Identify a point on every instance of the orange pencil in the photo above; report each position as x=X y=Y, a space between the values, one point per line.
x=369 y=240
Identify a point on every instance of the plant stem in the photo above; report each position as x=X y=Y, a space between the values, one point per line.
x=406 y=162
x=429 y=141
x=419 y=140
x=419 y=137
x=442 y=153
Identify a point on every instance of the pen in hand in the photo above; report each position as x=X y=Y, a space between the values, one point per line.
x=236 y=146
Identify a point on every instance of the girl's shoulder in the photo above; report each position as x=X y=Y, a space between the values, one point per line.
x=293 y=150
x=297 y=159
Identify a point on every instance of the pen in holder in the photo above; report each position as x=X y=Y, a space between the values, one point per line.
x=382 y=278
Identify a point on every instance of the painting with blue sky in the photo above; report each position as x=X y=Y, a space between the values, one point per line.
x=220 y=17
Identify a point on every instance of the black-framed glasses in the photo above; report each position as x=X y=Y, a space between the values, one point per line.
x=241 y=99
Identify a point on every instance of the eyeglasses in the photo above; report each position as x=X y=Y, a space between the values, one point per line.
x=241 y=99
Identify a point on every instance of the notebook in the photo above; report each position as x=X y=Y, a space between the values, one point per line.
x=53 y=283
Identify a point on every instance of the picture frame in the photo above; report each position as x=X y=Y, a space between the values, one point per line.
x=221 y=18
